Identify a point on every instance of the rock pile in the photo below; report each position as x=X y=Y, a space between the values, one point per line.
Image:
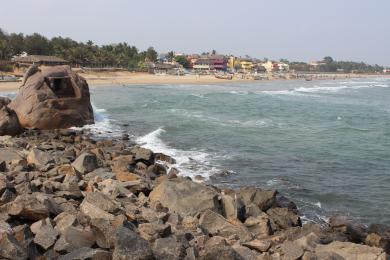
x=51 y=98
x=64 y=195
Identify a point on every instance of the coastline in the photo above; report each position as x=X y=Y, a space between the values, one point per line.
x=112 y=198
x=123 y=78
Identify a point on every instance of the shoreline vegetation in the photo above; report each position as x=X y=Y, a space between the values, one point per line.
x=68 y=194
x=123 y=78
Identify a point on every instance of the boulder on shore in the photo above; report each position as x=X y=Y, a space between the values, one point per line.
x=186 y=197
x=52 y=98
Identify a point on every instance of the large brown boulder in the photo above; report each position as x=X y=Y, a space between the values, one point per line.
x=52 y=98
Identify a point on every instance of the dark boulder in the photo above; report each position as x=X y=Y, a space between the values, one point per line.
x=9 y=123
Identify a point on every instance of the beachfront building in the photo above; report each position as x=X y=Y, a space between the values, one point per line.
x=386 y=71
x=270 y=66
x=283 y=67
x=246 y=64
x=27 y=61
x=210 y=62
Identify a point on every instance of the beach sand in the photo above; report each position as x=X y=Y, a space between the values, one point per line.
x=122 y=78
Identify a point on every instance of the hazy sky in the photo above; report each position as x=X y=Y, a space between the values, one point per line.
x=305 y=30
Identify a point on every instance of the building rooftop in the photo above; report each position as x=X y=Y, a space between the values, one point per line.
x=39 y=58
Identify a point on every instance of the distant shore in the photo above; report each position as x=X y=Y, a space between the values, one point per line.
x=122 y=78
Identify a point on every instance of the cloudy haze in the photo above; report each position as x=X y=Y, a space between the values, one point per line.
x=297 y=30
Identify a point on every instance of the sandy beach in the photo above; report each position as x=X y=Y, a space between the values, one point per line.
x=120 y=78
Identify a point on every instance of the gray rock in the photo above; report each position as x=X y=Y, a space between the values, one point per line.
x=11 y=248
x=144 y=155
x=33 y=206
x=351 y=251
x=94 y=212
x=39 y=158
x=46 y=235
x=152 y=231
x=284 y=218
x=85 y=163
x=291 y=250
x=217 y=225
x=262 y=198
x=86 y=253
x=73 y=238
x=185 y=197
x=9 y=123
x=216 y=248
x=168 y=248
x=258 y=245
x=102 y=201
x=259 y=226
x=130 y=246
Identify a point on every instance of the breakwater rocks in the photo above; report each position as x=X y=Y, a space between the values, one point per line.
x=64 y=195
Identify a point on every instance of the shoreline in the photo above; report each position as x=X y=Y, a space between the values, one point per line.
x=119 y=200
x=123 y=78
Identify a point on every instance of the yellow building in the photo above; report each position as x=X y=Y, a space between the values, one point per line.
x=246 y=65
x=231 y=62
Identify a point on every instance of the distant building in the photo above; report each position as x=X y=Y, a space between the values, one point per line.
x=26 y=61
x=387 y=71
x=209 y=62
x=284 y=67
x=270 y=66
x=246 y=64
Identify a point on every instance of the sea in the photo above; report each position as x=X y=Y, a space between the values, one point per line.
x=323 y=144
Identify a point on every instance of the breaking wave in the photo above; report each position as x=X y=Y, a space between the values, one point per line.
x=188 y=162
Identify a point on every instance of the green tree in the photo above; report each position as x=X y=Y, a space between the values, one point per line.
x=170 y=56
x=151 y=54
x=182 y=60
x=328 y=60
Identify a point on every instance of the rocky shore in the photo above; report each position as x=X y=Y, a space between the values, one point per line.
x=66 y=195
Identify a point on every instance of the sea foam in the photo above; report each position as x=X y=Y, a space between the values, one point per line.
x=188 y=162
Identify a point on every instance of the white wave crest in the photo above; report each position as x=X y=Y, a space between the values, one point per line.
x=189 y=163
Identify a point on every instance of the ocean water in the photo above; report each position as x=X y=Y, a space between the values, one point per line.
x=324 y=144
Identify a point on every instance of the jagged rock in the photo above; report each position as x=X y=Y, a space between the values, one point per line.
x=233 y=207
x=39 y=158
x=9 y=123
x=291 y=250
x=351 y=251
x=123 y=163
x=284 y=218
x=54 y=97
x=217 y=225
x=33 y=207
x=73 y=238
x=127 y=176
x=216 y=248
x=65 y=220
x=10 y=154
x=164 y=158
x=130 y=246
x=45 y=235
x=152 y=231
x=262 y=198
x=308 y=242
x=5 y=227
x=354 y=231
x=11 y=248
x=168 y=248
x=85 y=253
x=258 y=245
x=379 y=236
x=246 y=253
x=259 y=226
x=93 y=211
x=102 y=201
x=144 y=155
x=103 y=230
x=85 y=163
x=185 y=197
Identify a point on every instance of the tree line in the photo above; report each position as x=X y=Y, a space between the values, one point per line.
x=77 y=53
x=328 y=64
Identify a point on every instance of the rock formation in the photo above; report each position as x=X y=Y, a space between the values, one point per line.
x=64 y=195
x=52 y=98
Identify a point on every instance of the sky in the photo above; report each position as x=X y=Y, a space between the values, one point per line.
x=301 y=30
